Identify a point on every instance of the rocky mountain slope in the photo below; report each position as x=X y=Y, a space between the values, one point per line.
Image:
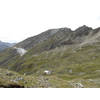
x=5 y=45
x=72 y=56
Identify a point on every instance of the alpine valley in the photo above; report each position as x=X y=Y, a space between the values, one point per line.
x=71 y=57
x=5 y=45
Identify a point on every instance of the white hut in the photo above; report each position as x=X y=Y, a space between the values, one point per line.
x=47 y=72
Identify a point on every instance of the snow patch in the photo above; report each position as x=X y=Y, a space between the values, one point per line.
x=21 y=51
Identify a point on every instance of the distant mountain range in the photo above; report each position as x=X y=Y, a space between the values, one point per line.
x=5 y=45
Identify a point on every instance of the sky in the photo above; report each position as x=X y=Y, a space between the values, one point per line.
x=20 y=19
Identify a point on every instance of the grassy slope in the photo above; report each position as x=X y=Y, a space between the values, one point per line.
x=6 y=79
x=68 y=63
x=60 y=59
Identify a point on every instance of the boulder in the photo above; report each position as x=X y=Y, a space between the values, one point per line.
x=79 y=85
x=9 y=74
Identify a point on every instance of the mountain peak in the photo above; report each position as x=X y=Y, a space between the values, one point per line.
x=84 y=26
x=58 y=30
x=83 y=30
x=65 y=29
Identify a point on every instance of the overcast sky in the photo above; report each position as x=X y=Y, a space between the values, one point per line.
x=20 y=19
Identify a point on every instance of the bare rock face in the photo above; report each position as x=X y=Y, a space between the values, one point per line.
x=33 y=41
x=82 y=31
x=96 y=30
x=58 y=37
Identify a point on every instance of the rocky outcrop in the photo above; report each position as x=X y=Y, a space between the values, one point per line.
x=82 y=31
x=57 y=37
x=33 y=41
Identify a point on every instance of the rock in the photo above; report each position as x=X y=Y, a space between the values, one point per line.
x=70 y=71
x=90 y=80
x=25 y=86
x=24 y=74
x=30 y=87
x=14 y=76
x=14 y=81
x=9 y=74
x=81 y=73
x=20 y=79
x=3 y=77
x=79 y=85
x=97 y=71
x=25 y=82
x=49 y=87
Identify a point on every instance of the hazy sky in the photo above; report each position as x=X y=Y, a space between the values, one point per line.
x=20 y=19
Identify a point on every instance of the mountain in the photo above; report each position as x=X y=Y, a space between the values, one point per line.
x=10 y=44
x=71 y=56
x=5 y=45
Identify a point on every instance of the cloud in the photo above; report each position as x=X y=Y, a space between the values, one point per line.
x=8 y=39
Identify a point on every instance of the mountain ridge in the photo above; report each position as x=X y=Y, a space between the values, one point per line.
x=32 y=41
